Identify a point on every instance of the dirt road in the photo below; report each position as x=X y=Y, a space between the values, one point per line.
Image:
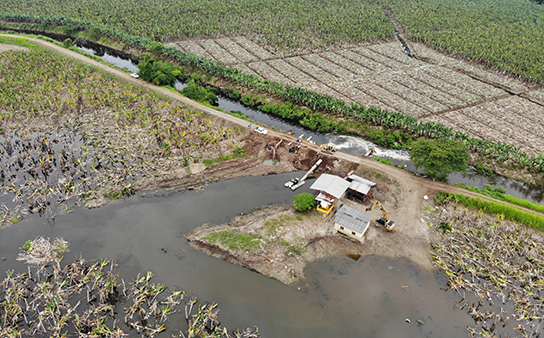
x=411 y=236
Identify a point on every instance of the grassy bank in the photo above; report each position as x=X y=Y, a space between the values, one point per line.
x=494 y=208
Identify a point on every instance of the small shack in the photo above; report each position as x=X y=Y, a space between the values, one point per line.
x=359 y=188
x=329 y=188
x=352 y=222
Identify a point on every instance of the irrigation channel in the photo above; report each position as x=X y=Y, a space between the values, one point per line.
x=349 y=144
x=340 y=297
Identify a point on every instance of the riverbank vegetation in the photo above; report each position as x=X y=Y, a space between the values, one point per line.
x=68 y=130
x=503 y=211
x=89 y=298
x=499 y=193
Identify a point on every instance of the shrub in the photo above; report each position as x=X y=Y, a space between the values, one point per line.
x=304 y=201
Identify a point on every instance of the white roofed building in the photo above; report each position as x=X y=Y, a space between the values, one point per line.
x=329 y=188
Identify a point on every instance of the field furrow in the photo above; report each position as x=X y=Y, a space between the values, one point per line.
x=394 y=51
x=370 y=64
x=253 y=48
x=300 y=78
x=522 y=112
x=427 y=91
x=345 y=63
x=506 y=114
x=537 y=95
x=357 y=95
x=377 y=57
x=393 y=100
x=194 y=48
x=488 y=76
x=219 y=53
x=425 y=76
x=466 y=83
x=309 y=68
x=425 y=103
x=268 y=72
x=492 y=128
x=331 y=67
x=235 y=49
x=245 y=69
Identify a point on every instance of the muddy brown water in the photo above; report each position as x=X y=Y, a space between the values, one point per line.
x=340 y=297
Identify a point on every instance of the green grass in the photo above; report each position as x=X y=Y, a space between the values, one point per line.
x=22 y=42
x=492 y=192
x=271 y=225
x=494 y=208
x=235 y=240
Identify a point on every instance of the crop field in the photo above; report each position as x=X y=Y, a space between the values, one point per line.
x=504 y=34
x=432 y=87
x=67 y=130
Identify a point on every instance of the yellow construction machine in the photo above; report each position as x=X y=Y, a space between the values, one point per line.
x=327 y=147
x=387 y=223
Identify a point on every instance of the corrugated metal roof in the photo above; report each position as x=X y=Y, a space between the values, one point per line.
x=360 y=184
x=353 y=219
x=331 y=184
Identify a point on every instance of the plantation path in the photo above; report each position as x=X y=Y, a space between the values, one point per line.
x=411 y=236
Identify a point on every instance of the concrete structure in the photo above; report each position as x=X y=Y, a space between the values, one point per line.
x=352 y=222
x=329 y=188
x=359 y=188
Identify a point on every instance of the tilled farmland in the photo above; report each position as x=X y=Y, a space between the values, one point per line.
x=432 y=87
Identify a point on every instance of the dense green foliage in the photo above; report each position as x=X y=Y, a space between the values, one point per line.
x=279 y=23
x=304 y=201
x=196 y=92
x=494 y=208
x=499 y=194
x=506 y=34
x=439 y=157
x=158 y=72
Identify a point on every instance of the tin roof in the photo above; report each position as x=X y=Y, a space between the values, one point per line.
x=333 y=185
x=360 y=184
x=353 y=219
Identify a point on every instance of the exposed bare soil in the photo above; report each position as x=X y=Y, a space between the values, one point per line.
x=6 y=47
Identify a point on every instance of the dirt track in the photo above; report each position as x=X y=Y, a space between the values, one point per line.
x=411 y=236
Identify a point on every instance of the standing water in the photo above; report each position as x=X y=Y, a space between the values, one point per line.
x=339 y=297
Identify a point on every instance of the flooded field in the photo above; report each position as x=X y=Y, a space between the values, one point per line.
x=340 y=297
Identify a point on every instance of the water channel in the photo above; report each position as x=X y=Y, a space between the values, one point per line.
x=349 y=144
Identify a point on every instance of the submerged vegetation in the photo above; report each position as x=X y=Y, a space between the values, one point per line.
x=67 y=130
x=496 y=267
x=89 y=299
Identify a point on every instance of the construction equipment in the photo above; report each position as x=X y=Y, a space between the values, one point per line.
x=387 y=223
x=295 y=183
x=327 y=147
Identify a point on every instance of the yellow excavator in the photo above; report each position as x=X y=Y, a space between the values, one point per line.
x=327 y=147
x=387 y=223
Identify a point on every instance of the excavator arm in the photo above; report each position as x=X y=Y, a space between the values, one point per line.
x=387 y=223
